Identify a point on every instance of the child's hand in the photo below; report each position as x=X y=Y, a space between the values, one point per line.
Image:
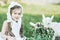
x=11 y=38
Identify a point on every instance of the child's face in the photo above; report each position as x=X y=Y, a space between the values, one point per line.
x=16 y=13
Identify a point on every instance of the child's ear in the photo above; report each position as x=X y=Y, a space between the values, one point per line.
x=43 y=16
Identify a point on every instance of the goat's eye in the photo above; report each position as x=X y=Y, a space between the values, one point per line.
x=38 y=25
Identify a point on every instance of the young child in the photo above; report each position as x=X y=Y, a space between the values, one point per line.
x=12 y=27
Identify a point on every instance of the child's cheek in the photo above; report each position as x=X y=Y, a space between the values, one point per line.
x=13 y=16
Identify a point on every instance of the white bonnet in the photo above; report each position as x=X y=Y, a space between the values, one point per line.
x=10 y=6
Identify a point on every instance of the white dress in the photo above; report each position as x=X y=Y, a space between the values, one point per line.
x=1 y=38
x=16 y=29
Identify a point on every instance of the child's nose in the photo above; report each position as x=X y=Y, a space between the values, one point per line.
x=17 y=16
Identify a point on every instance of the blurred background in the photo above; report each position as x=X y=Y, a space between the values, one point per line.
x=34 y=6
x=32 y=11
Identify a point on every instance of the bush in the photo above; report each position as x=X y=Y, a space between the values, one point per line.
x=42 y=33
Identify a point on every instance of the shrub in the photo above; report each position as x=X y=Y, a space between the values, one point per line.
x=42 y=33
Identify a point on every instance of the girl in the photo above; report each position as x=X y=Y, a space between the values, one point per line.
x=12 y=27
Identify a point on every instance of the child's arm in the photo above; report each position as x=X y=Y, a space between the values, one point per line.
x=4 y=28
x=11 y=34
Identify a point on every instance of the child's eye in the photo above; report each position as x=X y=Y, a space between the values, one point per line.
x=19 y=13
x=14 y=13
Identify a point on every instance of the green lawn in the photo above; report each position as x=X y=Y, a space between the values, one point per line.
x=26 y=19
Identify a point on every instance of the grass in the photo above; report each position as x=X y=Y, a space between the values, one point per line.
x=2 y=18
x=26 y=19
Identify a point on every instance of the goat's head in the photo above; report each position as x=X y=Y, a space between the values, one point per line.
x=47 y=20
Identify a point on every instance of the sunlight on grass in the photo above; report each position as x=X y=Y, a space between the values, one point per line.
x=49 y=9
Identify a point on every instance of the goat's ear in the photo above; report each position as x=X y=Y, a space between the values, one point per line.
x=32 y=24
x=43 y=16
x=52 y=17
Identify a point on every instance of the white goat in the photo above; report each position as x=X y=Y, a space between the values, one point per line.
x=47 y=22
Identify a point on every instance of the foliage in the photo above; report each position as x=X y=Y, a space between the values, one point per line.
x=42 y=33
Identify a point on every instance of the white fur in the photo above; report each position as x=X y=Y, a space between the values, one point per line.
x=34 y=24
x=47 y=22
